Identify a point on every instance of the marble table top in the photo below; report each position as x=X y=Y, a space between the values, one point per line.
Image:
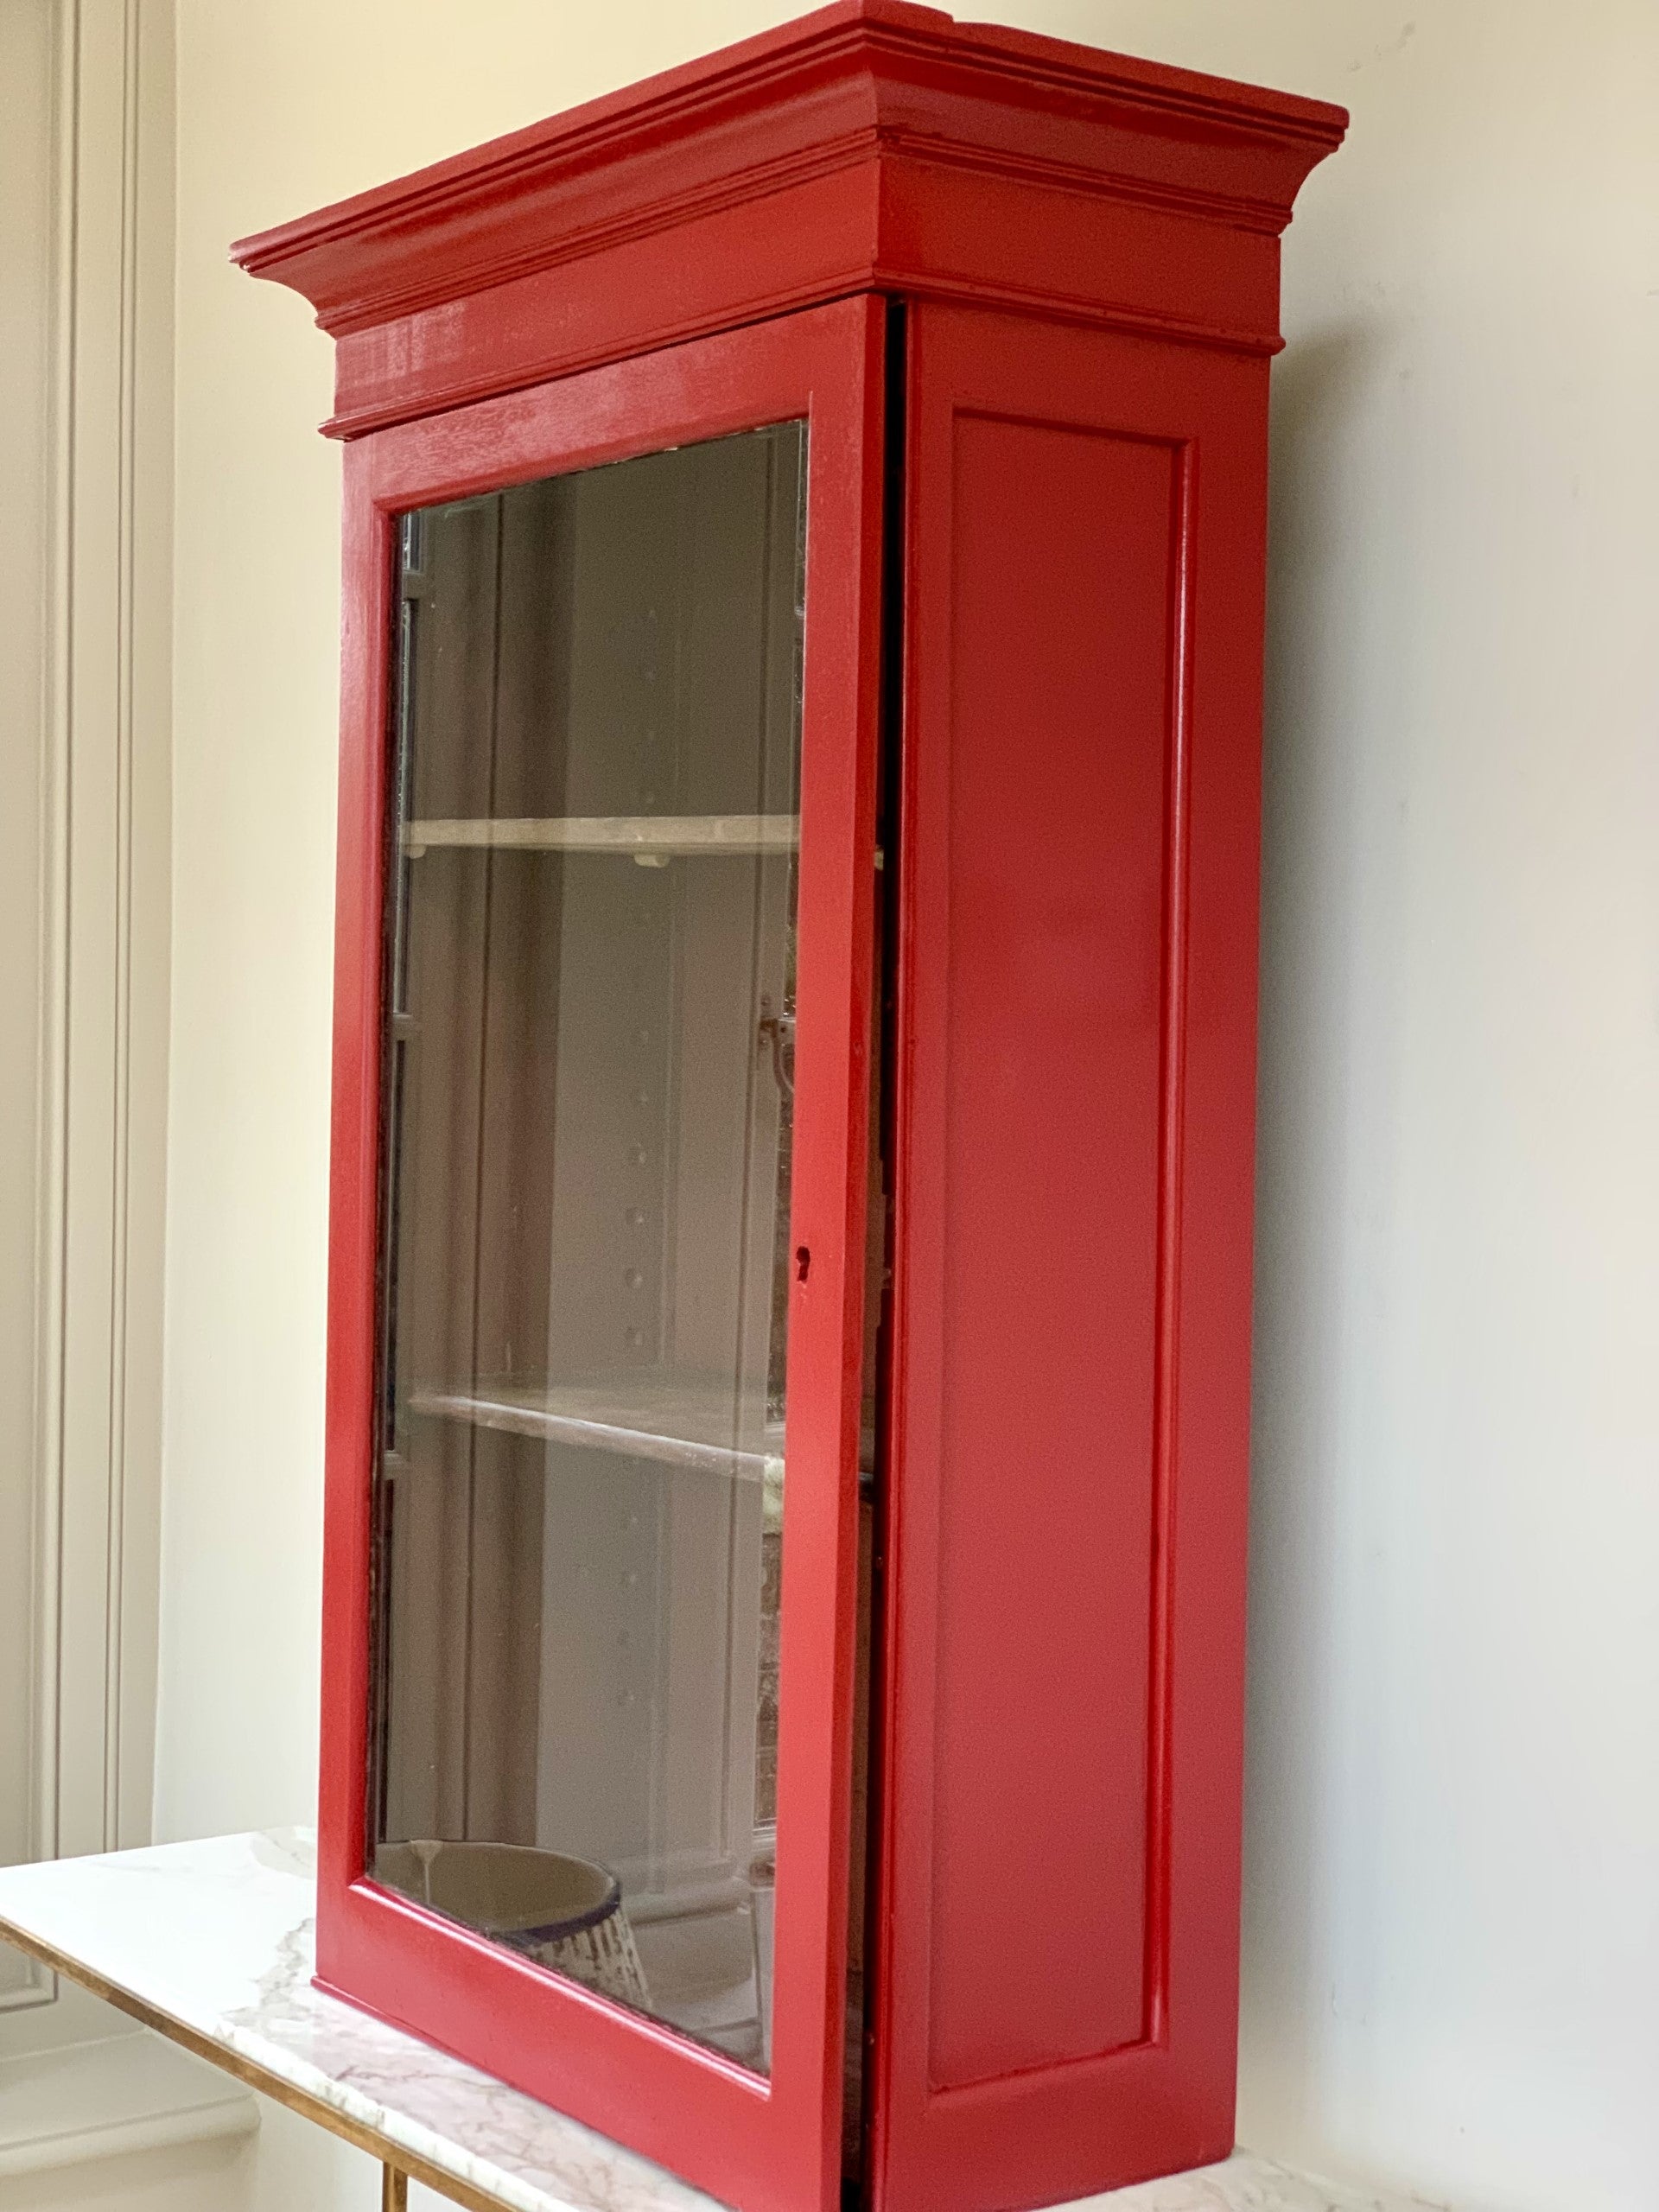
x=212 y=1944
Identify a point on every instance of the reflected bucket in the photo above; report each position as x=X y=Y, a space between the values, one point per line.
x=564 y=1913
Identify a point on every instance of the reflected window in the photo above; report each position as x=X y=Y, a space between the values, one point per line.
x=589 y=1078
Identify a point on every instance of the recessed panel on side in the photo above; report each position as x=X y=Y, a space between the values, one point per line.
x=1057 y=825
x=1061 y=1533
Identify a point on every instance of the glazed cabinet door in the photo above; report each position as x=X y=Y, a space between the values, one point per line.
x=602 y=1070
x=1057 y=1898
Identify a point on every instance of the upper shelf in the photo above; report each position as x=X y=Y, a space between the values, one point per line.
x=648 y=837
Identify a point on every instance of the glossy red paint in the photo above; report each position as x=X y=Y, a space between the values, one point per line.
x=1087 y=249
x=750 y=2141
x=1058 y=1902
x=870 y=146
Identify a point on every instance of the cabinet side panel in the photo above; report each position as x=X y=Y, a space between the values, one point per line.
x=1055 y=1912
x=1056 y=828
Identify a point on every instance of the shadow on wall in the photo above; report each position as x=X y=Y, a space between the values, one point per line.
x=1332 y=890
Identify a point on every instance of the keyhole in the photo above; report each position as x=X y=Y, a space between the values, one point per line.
x=803 y=1261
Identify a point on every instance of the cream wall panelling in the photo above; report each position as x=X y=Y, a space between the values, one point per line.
x=85 y=484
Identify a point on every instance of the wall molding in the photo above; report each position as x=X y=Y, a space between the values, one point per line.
x=111 y=2099
x=105 y=809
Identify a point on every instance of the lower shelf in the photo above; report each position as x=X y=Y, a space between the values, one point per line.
x=685 y=1422
x=677 y=1421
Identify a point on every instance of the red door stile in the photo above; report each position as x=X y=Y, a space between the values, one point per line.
x=1056 y=1905
x=765 y=2146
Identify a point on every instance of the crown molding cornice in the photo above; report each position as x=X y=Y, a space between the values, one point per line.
x=837 y=126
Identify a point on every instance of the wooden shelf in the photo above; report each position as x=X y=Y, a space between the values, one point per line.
x=679 y=1424
x=652 y=839
x=687 y=1424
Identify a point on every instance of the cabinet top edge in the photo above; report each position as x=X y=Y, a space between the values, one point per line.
x=858 y=83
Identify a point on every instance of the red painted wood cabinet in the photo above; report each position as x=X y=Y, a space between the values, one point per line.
x=790 y=1272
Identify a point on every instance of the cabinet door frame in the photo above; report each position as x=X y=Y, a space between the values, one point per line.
x=767 y=2145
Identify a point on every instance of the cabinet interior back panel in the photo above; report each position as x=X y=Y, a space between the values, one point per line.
x=1058 y=805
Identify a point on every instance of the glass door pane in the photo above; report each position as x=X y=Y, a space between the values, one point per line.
x=588 y=1077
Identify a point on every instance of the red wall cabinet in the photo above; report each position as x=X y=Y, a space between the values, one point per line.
x=790 y=1265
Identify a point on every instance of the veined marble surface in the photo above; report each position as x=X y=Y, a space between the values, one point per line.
x=218 y=1938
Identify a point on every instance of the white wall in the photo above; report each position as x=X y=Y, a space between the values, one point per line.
x=1453 y=1950
x=1453 y=1947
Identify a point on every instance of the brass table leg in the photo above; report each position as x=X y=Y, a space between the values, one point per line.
x=394 y=2190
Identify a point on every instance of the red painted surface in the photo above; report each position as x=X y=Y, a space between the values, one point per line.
x=1046 y=1062
x=1057 y=1905
x=1088 y=245
x=873 y=145
x=754 y=2142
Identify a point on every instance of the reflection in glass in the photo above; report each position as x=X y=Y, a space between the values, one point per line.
x=589 y=1074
